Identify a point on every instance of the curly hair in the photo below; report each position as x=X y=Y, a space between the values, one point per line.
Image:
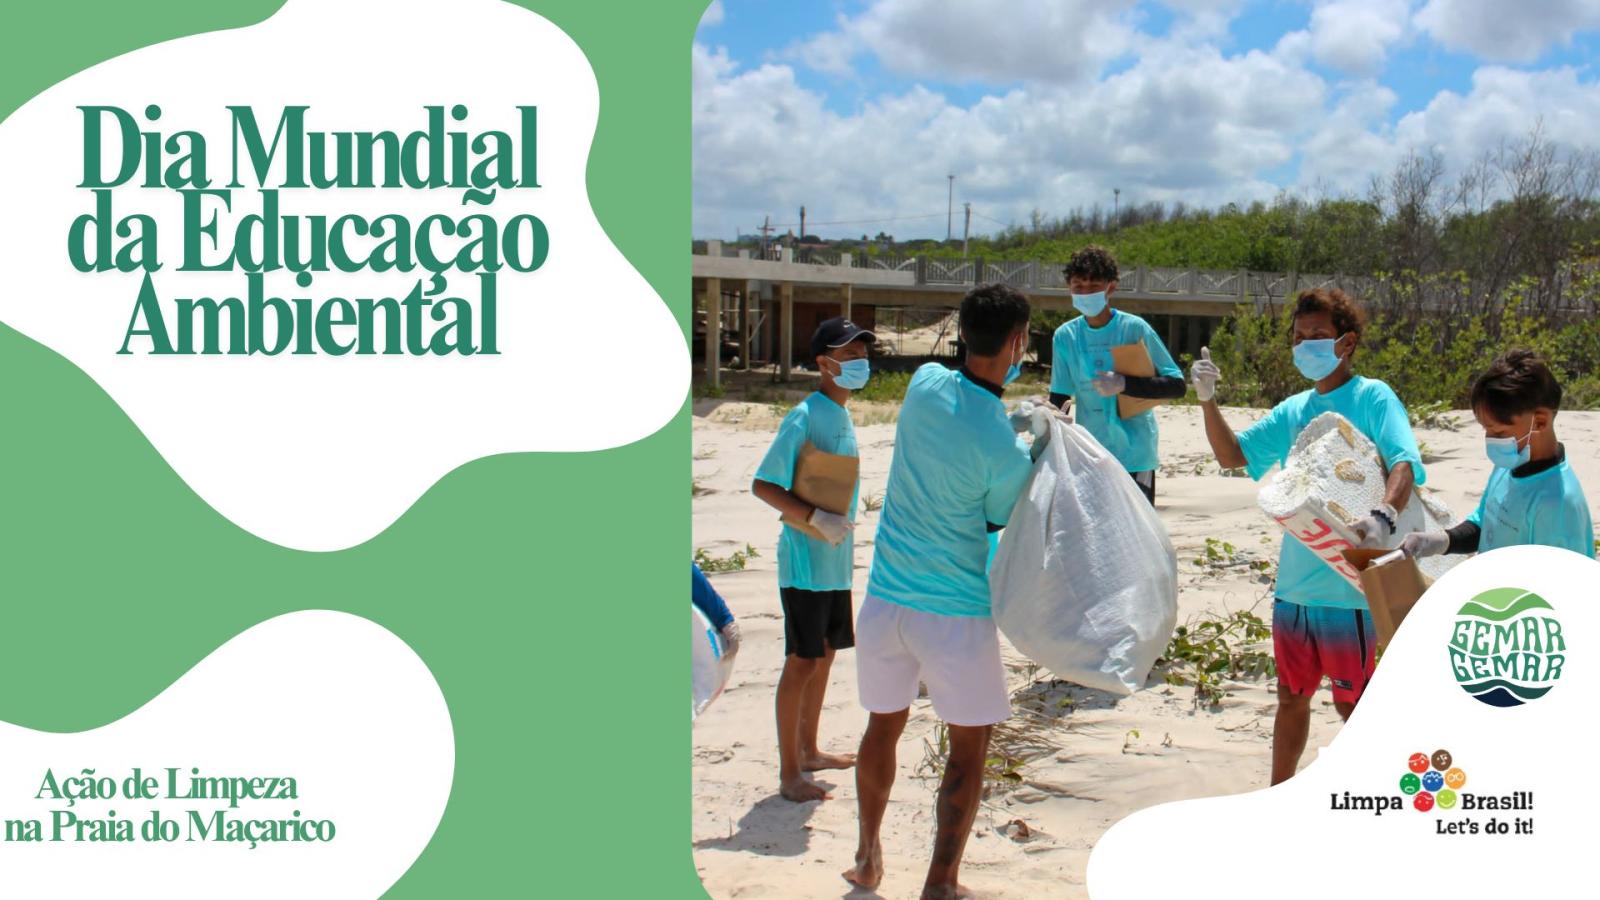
x=1347 y=312
x=1093 y=262
x=1518 y=381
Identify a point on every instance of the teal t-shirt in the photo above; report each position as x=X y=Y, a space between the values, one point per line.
x=1081 y=353
x=1546 y=508
x=803 y=561
x=957 y=467
x=1372 y=407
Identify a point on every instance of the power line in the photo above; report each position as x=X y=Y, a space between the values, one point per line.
x=859 y=221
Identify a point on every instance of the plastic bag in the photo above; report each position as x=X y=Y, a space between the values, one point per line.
x=1085 y=582
x=711 y=663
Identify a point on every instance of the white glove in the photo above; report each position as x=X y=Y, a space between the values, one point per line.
x=1418 y=544
x=1039 y=422
x=833 y=526
x=1109 y=384
x=1376 y=527
x=730 y=638
x=1205 y=374
x=1021 y=418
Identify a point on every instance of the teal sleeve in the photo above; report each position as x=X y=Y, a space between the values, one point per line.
x=1164 y=363
x=1008 y=475
x=1396 y=443
x=1266 y=443
x=1060 y=372
x=778 y=465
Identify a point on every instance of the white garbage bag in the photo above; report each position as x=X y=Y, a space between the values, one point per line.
x=1085 y=582
x=711 y=663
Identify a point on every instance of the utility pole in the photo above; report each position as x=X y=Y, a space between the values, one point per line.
x=949 y=211
x=966 y=228
x=766 y=230
x=802 y=223
x=1116 y=209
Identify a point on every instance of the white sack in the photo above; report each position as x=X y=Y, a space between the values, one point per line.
x=1085 y=582
x=711 y=663
x=1332 y=479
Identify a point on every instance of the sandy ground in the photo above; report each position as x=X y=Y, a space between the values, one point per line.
x=1102 y=757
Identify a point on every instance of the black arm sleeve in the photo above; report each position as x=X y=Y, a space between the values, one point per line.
x=1057 y=399
x=1464 y=538
x=993 y=527
x=1156 y=387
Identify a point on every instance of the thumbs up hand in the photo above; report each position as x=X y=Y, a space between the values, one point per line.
x=1205 y=374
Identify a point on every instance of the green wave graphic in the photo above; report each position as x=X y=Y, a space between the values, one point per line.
x=1526 y=693
x=1505 y=609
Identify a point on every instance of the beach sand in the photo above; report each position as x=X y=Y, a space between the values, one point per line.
x=1102 y=757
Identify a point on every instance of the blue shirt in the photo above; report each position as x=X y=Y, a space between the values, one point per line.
x=707 y=600
x=1372 y=407
x=957 y=467
x=1546 y=508
x=1079 y=354
x=803 y=561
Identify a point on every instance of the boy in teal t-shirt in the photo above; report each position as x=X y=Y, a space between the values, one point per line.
x=1532 y=496
x=1081 y=368
x=814 y=576
x=1320 y=623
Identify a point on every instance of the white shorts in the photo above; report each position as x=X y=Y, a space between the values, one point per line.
x=958 y=657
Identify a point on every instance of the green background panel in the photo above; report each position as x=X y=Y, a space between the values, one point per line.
x=545 y=591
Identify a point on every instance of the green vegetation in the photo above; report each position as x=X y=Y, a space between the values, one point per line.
x=735 y=563
x=1209 y=652
x=885 y=387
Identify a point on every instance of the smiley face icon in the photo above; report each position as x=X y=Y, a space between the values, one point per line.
x=1441 y=759
x=1456 y=779
x=1410 y=783
x=1418 y=763
x=1432 y=781
x=1446 y=799
x=1423 y=801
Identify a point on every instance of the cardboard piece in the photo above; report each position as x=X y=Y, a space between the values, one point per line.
x=826 y=481
x=1392 y=583
x=1133 y=359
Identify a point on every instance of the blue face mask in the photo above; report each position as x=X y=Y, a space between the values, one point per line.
x=1504 y=452
x=1090 y=305
x=1316 y=360
x=853 y=374
x=1013 y=373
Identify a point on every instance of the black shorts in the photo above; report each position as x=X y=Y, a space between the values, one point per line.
x=814 y=621
x=1147 y=484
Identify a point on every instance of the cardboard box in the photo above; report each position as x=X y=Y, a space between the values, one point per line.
x=826 y=481
x=1392 y=584
x=1133 y=359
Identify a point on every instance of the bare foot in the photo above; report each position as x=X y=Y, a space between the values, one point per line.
x=801 y=791
x=815 y=762
x=947 y=892
x=868 y=870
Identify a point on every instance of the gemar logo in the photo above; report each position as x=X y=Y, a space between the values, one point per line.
x=1506 y=647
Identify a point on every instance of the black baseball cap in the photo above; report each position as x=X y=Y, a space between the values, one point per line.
x=835 y=333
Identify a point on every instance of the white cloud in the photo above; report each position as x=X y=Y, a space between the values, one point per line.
x=1504 y=31
x=714 y=15
x=1506 y=104
x=1355 y=35
x=991 y=41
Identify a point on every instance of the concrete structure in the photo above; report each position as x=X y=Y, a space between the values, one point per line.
x=1184 y=305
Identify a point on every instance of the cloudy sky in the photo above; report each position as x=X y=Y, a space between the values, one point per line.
x=858 y=109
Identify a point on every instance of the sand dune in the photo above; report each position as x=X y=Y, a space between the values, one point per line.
x=1102 y=757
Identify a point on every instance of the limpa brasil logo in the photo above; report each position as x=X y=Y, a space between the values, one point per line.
x=1506 y=647
x=1435 y=781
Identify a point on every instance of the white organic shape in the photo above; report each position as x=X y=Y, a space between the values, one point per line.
x=320 y=452
x=333 y=700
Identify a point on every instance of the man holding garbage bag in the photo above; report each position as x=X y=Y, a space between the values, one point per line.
x=956 y=473
x=1320 y=625
x=1081 y=366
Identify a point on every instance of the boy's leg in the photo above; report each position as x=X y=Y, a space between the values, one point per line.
x=1147 y=484
x=1295 y=651
x=804 y=649
x=1347 y=642
x=875 y=769
x=841 y=636
x=957 y=808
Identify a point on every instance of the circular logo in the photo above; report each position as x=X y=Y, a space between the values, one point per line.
x=1446 y=799
x=1432 y=781
x=1410 y=783
x=1423 y=801
x=1418 y=763
x=1506 y=648
x=1456 y=779
x=1441 y=759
